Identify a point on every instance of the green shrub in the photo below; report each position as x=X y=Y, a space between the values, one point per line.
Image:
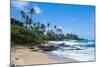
x=23 y=35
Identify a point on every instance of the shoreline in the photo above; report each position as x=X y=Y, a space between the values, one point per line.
x=61 y=59
x=26 y=56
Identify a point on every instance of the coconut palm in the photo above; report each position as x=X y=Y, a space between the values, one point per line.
x=32 y=11
x=48 y=24
x=38 y=24
x=22 y=15
x=59 y=30
x=34 y=24
x=30 y=22
x=43 y=27
x=55 y=28
x=27 y=20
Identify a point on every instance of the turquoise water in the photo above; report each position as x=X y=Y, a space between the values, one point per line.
x=85 y=43
x=86 y=54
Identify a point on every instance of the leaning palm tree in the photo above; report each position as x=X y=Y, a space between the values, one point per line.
x=32 y=11
x=27 y=20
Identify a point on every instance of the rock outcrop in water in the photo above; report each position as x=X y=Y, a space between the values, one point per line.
x=69 y=47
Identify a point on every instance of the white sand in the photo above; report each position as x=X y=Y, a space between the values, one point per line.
x=27 y=57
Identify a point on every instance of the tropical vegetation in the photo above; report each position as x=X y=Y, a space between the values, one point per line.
x=26 y=31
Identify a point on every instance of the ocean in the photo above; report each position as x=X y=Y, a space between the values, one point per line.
x=86 y=51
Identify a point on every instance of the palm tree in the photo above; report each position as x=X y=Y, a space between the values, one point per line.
x=55 y=28
x=31 y=11
x=43 y=27
x=38 y=24
x=48 y=24
x=30 y=22
x=22 y=15
x=34 y=24
x=27 y=20
x=60 y=30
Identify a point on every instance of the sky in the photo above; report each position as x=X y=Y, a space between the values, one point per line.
x=77 y=19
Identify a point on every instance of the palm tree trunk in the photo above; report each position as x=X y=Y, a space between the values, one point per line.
x=30 y=18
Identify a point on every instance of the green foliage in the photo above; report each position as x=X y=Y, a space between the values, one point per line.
x=23 y=35
x=20 y=34
x=72 y=36
x=36 y=33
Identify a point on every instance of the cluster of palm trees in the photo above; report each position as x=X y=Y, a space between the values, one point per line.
x=25 y=18
x=37 y=26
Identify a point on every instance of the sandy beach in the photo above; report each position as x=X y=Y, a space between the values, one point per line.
x=26 y=56
x=48 y=40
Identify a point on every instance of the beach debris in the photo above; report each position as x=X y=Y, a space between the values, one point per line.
x=16 y=58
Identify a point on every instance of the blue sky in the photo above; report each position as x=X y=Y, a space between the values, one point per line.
x=77 y=19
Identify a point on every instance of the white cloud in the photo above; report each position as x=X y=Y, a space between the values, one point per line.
x=37 y=9
x=19 y=4
x=22 y=5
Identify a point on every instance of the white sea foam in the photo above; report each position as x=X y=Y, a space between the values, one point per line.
x=70 y=42
x=86 y=54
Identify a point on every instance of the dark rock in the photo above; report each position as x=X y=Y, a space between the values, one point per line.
x=16 y=58
x=49 y=48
